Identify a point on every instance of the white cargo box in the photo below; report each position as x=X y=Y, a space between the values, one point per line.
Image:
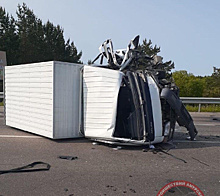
x=44 y=98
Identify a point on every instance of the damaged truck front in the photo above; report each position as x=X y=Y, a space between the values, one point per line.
x=130 y=106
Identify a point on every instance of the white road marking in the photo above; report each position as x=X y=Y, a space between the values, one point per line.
x=19 y=136
x=206 y=125
x=185 y=141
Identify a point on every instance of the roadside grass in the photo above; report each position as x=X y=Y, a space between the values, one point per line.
x=204 y=108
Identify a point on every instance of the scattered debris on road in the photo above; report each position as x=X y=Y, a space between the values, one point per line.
x=70 y=158
x=117 y=148
x=159 y=149
x=26 y=168
x=200 y=161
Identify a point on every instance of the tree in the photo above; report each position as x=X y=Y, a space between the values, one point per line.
x=30 y=32
x=216 y=72
x=195 y=87
x=28 y=40
x=198 y=86
x=189 y=85
x=147 y=47
x=212 y=84
x=54 y=42
x=71 y=54
x=8 y=36
x=152 y=51
x=181 y=78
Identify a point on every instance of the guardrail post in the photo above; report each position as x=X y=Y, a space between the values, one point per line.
x=199 y=110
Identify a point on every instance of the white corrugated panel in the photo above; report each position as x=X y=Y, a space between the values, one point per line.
x=67 y=100
x=24 y=110
x=40 y=98
x=101 y=87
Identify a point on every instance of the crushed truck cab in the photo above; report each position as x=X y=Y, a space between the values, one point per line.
x=121 y=108
x=127 y=108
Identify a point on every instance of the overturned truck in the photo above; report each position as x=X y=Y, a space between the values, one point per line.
x=128 y=100
x=131 y=106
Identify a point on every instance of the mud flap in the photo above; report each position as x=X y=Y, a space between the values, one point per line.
x=183 y=116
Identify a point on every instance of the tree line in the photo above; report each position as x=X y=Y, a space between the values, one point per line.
x=26 y=39
x=198 y=86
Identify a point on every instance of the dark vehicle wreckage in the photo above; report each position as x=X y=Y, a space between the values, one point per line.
x=125 y=105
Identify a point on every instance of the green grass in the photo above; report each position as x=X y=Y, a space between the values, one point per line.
x=204 y=108
x=2 y=103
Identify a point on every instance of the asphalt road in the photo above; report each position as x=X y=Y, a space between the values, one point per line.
x=102 y=170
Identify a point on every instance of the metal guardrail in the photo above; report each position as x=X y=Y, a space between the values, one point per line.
x=189 y=100
x=200 y=100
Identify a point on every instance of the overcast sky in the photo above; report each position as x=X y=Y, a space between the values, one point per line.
x=188 y=31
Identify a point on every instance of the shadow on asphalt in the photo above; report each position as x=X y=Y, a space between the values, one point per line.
x=179 y=142
x=75 y=140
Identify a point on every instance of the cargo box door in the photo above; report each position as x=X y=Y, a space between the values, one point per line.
x=100 y=93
